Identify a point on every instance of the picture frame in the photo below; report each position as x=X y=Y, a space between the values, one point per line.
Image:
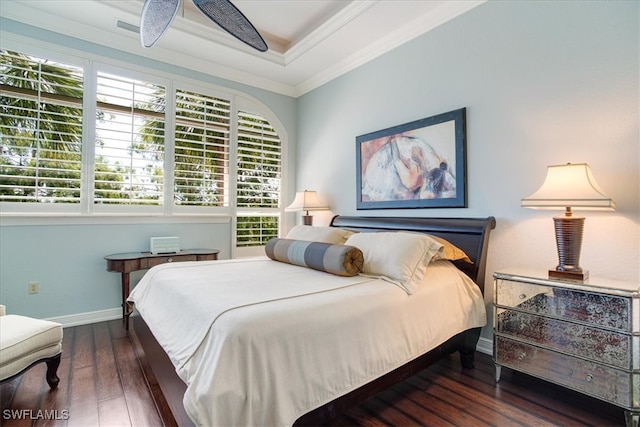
x=420 y=164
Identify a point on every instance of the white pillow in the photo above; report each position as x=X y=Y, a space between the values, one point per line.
x=400 y=258
x=333 y=235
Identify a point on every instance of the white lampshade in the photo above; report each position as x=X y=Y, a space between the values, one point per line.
x=570 y=185
x=567 y=187
x=306 y=201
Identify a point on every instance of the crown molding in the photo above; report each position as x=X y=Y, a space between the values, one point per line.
x=201 y=48
x=408 y=32
x=342 y=18
x=125 y=40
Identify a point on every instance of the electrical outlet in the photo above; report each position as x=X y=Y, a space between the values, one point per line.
x=33 y=287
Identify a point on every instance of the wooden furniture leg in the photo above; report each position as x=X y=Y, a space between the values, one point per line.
x=125 y=295
x=52 y=371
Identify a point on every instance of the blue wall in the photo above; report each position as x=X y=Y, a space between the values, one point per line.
x=68 y=262
x=543 y=82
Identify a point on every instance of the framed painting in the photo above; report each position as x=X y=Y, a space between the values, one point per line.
x=421 y=164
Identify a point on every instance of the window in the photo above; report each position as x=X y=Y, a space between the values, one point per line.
x=259 y=164
x=254 y=230
x=150 y=146
x=41 y=130
x=259 y=174
x=203 y=126
x=129 y=151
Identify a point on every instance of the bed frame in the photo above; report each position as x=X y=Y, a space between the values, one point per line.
x=469 y=234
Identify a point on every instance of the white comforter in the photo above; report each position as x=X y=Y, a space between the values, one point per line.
x=260 y=343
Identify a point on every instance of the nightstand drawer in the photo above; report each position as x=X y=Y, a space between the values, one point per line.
x=603 y=346
x=608 y=311
x=152 y=262
x=599 y=381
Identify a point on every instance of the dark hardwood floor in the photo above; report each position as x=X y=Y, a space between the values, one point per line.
x=102 y=384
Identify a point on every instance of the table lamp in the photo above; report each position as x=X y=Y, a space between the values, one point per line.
x=306 y=201
x=566 y=187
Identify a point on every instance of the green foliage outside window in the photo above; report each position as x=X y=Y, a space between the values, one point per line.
x=40 y=130
x=41 y=143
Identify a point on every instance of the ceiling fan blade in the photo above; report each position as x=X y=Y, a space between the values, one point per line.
x=225 y=14
x=156 y=17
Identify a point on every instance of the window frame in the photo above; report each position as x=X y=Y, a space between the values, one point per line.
x=20 y=208
x=92 y=208
x=34 y=213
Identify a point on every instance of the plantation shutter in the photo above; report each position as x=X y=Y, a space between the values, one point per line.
x=259 y=165
x=129 y=154
x=259 y=175
x=41 y=130
x=201 y=166
x=256 y=230
x=213 y=159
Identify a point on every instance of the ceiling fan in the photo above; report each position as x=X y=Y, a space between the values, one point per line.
x=157 y=16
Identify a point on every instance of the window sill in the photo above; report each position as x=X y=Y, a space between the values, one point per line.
x=26 y=219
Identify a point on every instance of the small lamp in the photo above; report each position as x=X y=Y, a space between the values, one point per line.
x=306 y=201
x=566 y=187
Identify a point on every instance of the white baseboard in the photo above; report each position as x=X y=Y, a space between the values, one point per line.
x=485 y=345
x=87 y=318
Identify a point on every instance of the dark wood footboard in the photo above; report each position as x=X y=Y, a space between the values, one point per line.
x=166 y=387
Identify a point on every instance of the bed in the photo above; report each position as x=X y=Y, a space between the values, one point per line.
x=317 y=343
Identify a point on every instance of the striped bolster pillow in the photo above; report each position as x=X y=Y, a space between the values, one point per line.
x=336 y=259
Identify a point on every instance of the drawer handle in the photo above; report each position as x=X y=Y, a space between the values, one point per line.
x=522 y=296
x=169 y=259
x=522 y=355
x=589 y=378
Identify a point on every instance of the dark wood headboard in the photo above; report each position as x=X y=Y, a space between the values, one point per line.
x=469 y=234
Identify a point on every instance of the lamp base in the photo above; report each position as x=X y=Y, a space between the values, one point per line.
x=307 y=219
x=576 y=276
x=569 y=244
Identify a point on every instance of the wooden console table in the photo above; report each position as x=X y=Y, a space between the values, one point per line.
x=125 y=263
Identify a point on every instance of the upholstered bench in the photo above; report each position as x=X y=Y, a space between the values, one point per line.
x=25 y=342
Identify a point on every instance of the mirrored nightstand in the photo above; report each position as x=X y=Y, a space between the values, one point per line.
x=584 y=336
